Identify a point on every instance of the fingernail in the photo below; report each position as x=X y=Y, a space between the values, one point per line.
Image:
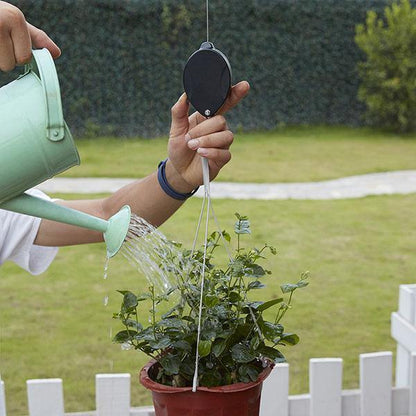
x=202 y=151
x=187 y=137
x=193 y=144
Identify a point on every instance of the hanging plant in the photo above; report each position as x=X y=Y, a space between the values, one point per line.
x=237 y=340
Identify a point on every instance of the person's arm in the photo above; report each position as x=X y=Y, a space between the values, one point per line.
x=183 y=172
x=18 y=37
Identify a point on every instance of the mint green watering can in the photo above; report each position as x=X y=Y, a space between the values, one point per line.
x=36 y=144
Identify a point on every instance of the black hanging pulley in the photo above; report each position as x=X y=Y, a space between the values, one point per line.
x=207 y=79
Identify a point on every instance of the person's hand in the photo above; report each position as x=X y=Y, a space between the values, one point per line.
x=195 y=136
x=18 y=37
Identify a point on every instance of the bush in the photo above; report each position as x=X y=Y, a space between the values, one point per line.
x=389 y=74
x=122 y=61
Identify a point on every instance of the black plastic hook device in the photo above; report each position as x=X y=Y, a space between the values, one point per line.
x=207 y=79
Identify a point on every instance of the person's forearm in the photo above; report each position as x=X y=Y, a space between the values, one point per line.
x=145 y=198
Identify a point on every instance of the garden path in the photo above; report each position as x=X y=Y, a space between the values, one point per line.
x=385 y=183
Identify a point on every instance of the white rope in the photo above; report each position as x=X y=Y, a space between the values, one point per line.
x=207 y=196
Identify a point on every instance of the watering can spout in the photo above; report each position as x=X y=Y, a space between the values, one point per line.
x=114 y=230
x=116 y=233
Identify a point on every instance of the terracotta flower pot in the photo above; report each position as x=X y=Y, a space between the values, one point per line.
x=240 y=399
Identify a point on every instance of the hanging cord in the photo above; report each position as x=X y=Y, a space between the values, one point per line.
x=207 y=11
x=207 y=197
x=207 y=201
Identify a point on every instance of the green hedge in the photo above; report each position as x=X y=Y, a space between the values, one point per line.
x=122 y=60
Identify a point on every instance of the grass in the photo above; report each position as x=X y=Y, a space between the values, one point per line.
x=358 y=252
x=295 y=154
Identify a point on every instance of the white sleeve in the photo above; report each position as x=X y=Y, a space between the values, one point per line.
x=17 y=236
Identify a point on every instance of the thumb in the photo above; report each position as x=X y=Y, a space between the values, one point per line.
x=180 y=122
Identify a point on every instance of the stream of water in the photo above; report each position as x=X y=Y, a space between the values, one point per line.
x=151 y=254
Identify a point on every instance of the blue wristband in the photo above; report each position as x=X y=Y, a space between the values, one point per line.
x=161 y=176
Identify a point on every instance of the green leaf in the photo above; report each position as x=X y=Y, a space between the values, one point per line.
x=272 y=249
x=234 y=297
x=302 y=283
x=226 y=236
x=170 y=364
x=289 y=339
x=161 y=343
x=204 y=348
x=211 y=300
x=188 y=367
x=269 y=304
x=129 y=301
x=242 y=226
x=254 y=270
x=237 y=268
x=256 y=285
x=210 y=378
x=131 y=323
x=241 y=353
x=254 y=342
x=170 y=323
x=182 y=345
x=248 y=372
x=272 y=354
x=124 y=336
x=240 y=217
x=145 y=335
x=288 y=287
x=218 y=346
x=253 y=305
x=269 y=330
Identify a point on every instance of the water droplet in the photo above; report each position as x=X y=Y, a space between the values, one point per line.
x=107 y=261
x=126 y=346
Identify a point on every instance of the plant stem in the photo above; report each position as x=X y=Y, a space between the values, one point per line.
x=284 y=309
x=152 y=290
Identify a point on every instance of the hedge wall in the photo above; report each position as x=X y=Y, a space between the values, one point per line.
x=122 y=60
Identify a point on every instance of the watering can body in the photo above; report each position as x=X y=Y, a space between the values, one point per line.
x=35 y=142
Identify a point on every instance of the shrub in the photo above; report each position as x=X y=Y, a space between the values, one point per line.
x=389 y=73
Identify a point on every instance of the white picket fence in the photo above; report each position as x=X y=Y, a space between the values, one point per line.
x=375 y=397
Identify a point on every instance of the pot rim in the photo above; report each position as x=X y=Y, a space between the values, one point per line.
x=152 y=385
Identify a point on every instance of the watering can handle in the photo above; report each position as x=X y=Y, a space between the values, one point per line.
x=42 y=64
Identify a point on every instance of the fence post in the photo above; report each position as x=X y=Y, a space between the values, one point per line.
x=412 y=404
x=45 y=397
x=275 y=394
x=403 y=324
x=325 y=386
x=2 y=399
x=375 y=384
x=112 y=394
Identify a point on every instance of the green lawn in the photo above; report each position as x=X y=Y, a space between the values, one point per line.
x=358 y=252
x=294 y=154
